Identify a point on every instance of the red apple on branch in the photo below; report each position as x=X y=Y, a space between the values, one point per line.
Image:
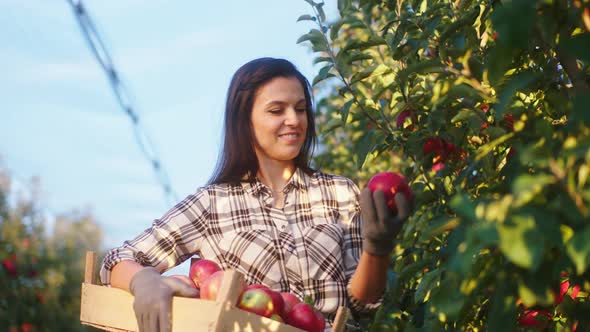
x=534 y=318
x=406 y=120
x=9 y=265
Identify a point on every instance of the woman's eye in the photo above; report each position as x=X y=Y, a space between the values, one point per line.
x=301 y=110
x=275 y=111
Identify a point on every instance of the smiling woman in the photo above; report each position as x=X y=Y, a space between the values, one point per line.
x=266 y=213
x=279 y=120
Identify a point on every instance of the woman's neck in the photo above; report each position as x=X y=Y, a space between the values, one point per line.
x=275 y=175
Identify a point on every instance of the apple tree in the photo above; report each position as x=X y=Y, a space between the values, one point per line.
x=484 y=107
x=42 y=267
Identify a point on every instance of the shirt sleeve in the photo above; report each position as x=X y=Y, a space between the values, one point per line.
x=353 y=247
x=168 y=242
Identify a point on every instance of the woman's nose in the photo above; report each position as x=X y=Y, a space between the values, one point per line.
x=291 y=117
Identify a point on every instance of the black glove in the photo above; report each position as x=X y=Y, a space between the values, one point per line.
x=153 y=299
x=380 y=225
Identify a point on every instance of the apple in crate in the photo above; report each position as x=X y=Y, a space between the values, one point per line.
x=256 y=301
x=290 y=300
x=306 y=317
x=277 y=300
x=201 y=270
x=211 y=286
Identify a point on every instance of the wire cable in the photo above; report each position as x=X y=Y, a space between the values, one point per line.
x=100 y=52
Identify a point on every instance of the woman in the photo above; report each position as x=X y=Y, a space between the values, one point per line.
x=266 y=213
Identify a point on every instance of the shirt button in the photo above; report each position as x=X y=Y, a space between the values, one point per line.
x=283 y=227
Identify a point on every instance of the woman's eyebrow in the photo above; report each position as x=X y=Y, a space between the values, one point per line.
x=281 y=103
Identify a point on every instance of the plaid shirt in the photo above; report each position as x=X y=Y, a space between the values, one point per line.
x=310 y=247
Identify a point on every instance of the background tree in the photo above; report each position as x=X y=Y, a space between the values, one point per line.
x=483 y=105
x=41 y=272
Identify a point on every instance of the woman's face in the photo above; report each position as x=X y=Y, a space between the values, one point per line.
x=279 y=119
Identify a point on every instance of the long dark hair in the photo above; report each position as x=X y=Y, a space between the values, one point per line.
x=238 y=159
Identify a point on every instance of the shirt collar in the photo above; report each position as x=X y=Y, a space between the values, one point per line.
x=256 y=187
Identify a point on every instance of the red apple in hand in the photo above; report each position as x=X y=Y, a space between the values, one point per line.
x=201 y=270
x=391 y=183
x=290 y=301
x=211 y=286
x=256 y=301
x=306 y=317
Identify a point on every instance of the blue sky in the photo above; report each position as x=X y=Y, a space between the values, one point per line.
x=61 y=122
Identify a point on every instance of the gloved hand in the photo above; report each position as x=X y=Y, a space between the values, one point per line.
x=380 y=225
x=153 y=299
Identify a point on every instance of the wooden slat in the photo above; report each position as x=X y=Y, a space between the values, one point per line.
x=105 y=328
x=236 y=320
x=231 y=286
x=339 y=324
x=107 y=306
x=113 y=308
x=90 y=267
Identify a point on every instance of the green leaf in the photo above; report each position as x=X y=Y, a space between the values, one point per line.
x=345 y=110
x=359 y=57
x=521 y=242
x=380 y=69
x=580 y=112
x=503 y=309
x=323 y=74
x=463 y=207
x=306 y=18
x=410 y=270
x=316 y=38
x=429 y=281
x=463 y=115
x=526 y=187
x=470 y=117
x=578 y=46
x=344 y=6
x=516 y=83
x=483 y=150
x=363 y=147
x=514 y=21
x=578 y=249
x=533 y=291
x=361 y=45
x=424 y=67
x=439 y=226
x=322 y=59
x=320 y=8
x=446 y=300
x=331 y=125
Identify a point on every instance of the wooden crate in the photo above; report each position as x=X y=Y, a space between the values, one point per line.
x=111 y=309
